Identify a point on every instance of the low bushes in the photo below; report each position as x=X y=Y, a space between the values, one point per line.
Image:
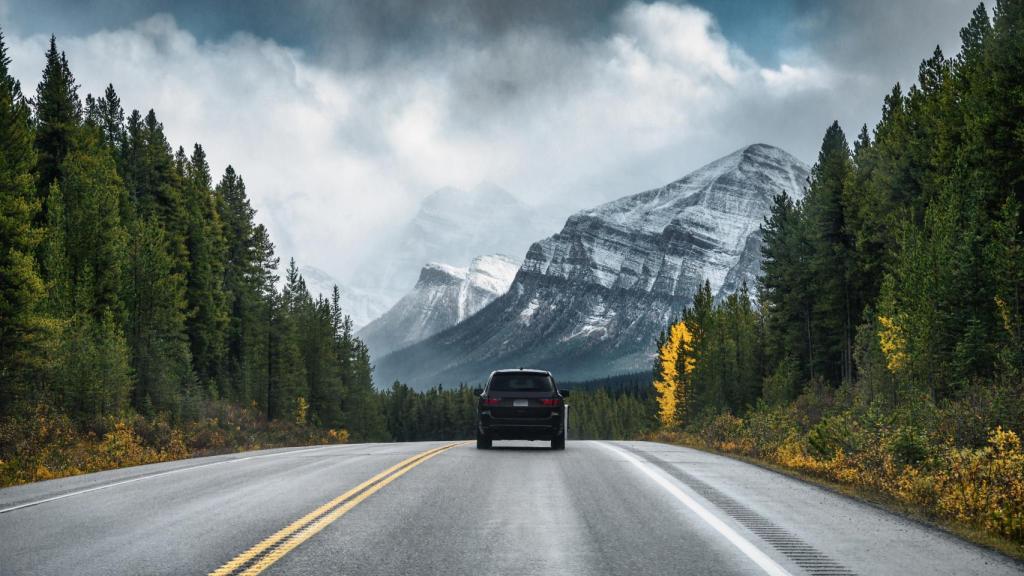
x=45 y=443
x=913 y=457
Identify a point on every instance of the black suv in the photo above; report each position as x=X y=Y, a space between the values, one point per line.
x=521 y=405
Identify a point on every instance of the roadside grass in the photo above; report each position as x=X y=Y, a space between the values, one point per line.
x=877 y=493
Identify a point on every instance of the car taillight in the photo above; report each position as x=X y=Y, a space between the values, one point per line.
x=492 y=401
x=550 y=401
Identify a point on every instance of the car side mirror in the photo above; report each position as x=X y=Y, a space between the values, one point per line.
x=564 y=393
x=478 y=391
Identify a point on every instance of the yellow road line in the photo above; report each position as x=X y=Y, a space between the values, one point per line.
x=304 y=528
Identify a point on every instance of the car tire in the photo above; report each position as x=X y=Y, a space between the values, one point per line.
x=558 y=442
x=482 y=441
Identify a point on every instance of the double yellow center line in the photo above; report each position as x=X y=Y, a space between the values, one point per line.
x=262 y=555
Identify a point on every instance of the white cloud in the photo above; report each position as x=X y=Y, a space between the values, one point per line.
x=787 y=78
x=682 y=39
x=334 y=158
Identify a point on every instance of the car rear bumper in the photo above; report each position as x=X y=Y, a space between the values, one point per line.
x=521 y=428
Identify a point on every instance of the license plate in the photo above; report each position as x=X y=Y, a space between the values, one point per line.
x=520 y=403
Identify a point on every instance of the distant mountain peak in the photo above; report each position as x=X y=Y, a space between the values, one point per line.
x=486 y=187
x=443 y=296
x=485 y=192
x=590 y=300
x=438 y=274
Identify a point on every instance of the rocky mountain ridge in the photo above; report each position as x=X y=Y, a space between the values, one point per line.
x=590 y=300
x=443 y=296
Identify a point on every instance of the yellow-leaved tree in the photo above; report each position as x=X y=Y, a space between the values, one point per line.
x=671 y=383
x=893 y=342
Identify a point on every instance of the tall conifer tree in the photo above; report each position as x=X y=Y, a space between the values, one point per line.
x=21 y=287
x=835 y=309
x=208 y=319
x=58 y=112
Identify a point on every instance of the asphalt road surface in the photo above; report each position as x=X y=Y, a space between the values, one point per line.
x=427 y=508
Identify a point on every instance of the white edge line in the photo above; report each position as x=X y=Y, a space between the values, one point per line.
x=744 y=545
x=148 y=476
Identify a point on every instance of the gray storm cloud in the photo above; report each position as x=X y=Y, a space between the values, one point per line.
x=339 y=135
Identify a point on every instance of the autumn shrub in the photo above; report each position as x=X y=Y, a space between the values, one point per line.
x=908 y=445
x=725 y=432
x=45 y=443
x=985 y=486
x=833 y=434
x=780 y=386
x=770 y=426
x=816 y=402
x=35 y=445
x=158 y=432
x=225 y=427
x=893 y=454
x=122 y=446
x=968 y=418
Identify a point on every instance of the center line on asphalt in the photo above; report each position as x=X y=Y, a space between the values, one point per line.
x=749 y=550
x=263 y=554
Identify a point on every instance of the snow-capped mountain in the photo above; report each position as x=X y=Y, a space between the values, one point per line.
x=361 y=305
x=590 y=300
x=453 y=226
x=443 y=296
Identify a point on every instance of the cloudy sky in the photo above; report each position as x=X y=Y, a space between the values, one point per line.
x=342 y=115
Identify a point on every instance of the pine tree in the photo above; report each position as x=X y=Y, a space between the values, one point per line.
x=156 y=321
x=287 y=370
x=931 y=298
x=208 y=319
x=835 y=309
x=58 y=112
x=54 y=258
x=785 y=289
x=323 y=370
x=21 y=288
x=95 y=237
x=92 y=374
x=110 y=118
x=243 y=291
x=973 y=38
x=153 y=183
x=364 y=415
x=744 y=333
x=949 y=296
x=706 y=386
x=997 y=110
x=1006 y=260
x=260 y=357
x=401 y=409
x=867 y=222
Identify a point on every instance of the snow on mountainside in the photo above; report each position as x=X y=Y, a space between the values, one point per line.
x=590 y=300
x=454 y=226
x=663 y=239
x=361 y=305
x=443 y=296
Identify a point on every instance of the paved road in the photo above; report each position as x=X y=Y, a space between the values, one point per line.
x=419 y=508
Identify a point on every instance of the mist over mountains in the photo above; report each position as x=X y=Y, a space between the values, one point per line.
x=362 y=306
x=453 y=226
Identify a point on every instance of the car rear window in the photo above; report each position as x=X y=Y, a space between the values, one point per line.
x=521 y=383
